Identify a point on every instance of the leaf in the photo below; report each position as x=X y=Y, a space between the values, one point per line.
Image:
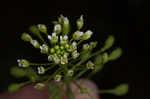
x=115 y=54
x=17 y=72
x=108 y=43
x=31 y=74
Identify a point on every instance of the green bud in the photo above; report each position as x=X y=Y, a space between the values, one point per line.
x=34 y=29
x=13 y=87
x=58 y=52
x=86 y=47
x=42 y=28
x=66 y=26
x=56 y=47
x=35 y=43
x=119 y=90
x=105 y=58
x=44 y=49
x=26 y=37
x=87 y=35
x=52 y=50
x=41 y=70
x=67 y=46
x=39 y=86
x=80 y=22
x=17 y=72
x=92 y=45
x=62 y=47
x=115 y=54
x=23 y=63
x=108 y=43
x=57 y=28
x=90 y=65
x=98 y=60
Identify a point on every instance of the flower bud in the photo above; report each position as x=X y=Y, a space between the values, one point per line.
x=77 y=35
x=86 y=47
x=87 y=35
x=42 y=28
x=38 y=86
x=52 y=50
x=41 y=70
x=58 y=78
x=80 y=22
x=66 y=25
x=44 y=49
x=70 y=73
x=90 y=65
x=50 y=57
x=75 y=54
x=64 y=60
x=92 y=45
x=53 y=38
x=57 y=28
x=35 y=43
x=56 y=59
x=23 y=63
x=26 y=37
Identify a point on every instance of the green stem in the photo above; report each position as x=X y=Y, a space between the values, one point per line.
x=36 y=64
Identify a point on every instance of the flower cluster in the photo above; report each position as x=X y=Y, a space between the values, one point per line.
x=65 y=49
x=68 y=56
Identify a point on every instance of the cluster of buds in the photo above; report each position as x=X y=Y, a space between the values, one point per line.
x=61 y=47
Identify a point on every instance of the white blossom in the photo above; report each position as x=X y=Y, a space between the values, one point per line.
x=57 y=78
x=41 y=70
x=87 y=35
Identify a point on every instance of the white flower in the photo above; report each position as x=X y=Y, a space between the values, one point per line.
x=90 y=65
x=42 y=28
x=23 y=63
x=74 y=46
x=50 y=57
x=87 y=35
x=35 y=43
x=70 y=72
x=53 y=38
x=58 y=78
x=86 y=46
x=57 y=28
x=75 y=54
x=56 y=59
x=44 y=49
x=41 y=70
x=66 y=21
x=77 y=35
x=63 y=39
x=64 y=59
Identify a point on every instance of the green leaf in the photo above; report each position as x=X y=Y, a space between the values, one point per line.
x=108 y=43
x=17 y=72
x=53 y=90
x=115 y=54
x=13 y=87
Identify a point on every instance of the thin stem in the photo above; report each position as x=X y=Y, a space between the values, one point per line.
x=80 y=42
x=37 y=64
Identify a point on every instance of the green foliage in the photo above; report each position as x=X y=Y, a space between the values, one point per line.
x=53 y=90
x=115 y=54
x=120 y=90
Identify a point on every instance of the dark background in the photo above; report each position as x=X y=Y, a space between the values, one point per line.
x=124 y=19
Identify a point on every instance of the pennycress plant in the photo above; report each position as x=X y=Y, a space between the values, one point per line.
x=69 y=56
